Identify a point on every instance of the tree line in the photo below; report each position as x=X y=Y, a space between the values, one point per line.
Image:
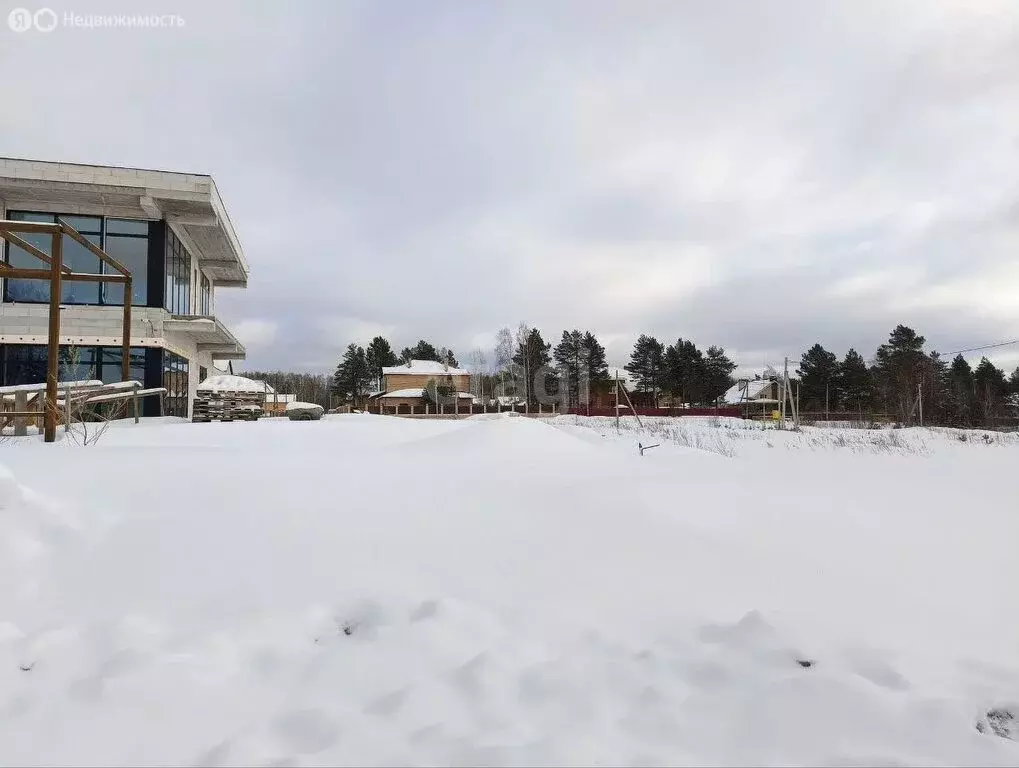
x=307 y=387
x=526 y=367
x=679 y=371
x=895 y=381
x=902 y=377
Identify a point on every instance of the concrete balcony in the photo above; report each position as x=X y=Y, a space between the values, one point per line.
x=208 y=333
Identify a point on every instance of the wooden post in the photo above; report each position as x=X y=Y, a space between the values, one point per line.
x=20 y=422
x=53 y=345
x=67 y=410
x=125 y=363
x=134 y=403
x=785 y=379
x=162 y=404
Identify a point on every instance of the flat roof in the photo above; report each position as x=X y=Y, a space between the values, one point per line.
x=189 y=202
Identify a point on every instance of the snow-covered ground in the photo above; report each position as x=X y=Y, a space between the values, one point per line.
x=374 y=590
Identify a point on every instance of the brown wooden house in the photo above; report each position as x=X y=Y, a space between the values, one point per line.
x=403 y=387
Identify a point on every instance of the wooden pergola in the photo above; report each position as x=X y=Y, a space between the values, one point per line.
x=56 y=273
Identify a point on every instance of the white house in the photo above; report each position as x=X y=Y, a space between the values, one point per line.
x=172 y=232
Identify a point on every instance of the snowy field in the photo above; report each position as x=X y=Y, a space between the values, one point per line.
x=372 y=590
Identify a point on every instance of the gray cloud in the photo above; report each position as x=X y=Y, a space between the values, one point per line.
x=761 y=176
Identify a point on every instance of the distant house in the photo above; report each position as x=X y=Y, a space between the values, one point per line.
x=763 y=392
x=403 y=387
x=275 y=403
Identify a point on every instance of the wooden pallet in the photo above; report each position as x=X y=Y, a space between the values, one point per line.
x=227 y=406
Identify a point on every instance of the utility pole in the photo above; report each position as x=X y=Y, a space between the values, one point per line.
x=919 y=396
x=617 y=400
x=785 y=388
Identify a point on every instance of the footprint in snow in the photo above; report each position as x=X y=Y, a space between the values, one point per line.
x=307 y=731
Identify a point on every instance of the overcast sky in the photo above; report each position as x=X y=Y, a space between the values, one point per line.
x=758 y=175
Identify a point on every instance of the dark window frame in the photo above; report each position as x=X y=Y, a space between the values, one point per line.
x=177 y=281
x=96 y=360
x=175 y=373
x=103 y=268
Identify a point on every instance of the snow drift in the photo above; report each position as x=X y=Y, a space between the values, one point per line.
x=502 y=592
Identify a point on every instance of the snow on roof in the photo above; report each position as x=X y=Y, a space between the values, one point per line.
x=426 y=367
x=754 y=387
x=226 y=383
x=413 y=392
x=419 y=392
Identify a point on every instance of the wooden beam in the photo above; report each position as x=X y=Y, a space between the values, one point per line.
x=72 y=233
x=125 y=350
x=53 y=345
x=33 y=227
x=24 y=245
x=19 y=273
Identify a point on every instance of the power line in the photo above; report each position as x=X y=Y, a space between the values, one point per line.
x=985 y=346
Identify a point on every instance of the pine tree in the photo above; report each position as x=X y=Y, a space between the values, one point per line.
x=446 y=356
x=717 y=374
x=818 y=374
x=684 y=371
x=646 y=366
x=853 y=382
x=1013 y=381
x=439 y=391
x=532 y=354
x=991 y=390
x=594 y=357
x=898 y=369
x=934 y=383
x=352 y=377
x=379 y=355
x=570 y=357
x=960 y=392
x=423 y=350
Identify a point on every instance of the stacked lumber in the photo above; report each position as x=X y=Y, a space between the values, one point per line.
x=227 y=405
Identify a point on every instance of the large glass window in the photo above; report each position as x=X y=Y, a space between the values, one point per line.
x=127 y=241
x=111 y=370
x=28 y=290
x=124 y=239
x=178 y=276
x=77 y=363
x=26 y=364
x=80 y=259
x=175 y=379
